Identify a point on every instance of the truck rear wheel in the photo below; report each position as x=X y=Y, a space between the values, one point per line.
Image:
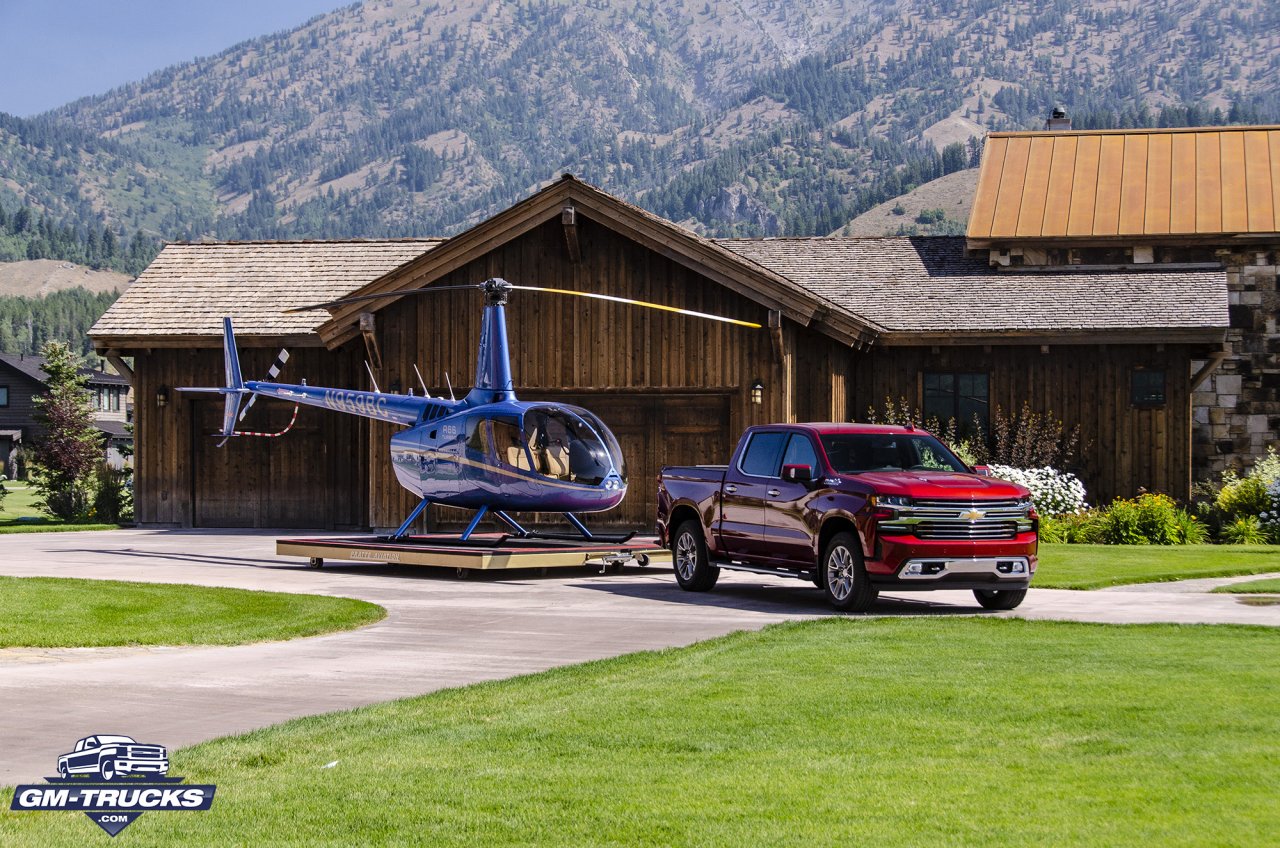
x=692 y=563
x=844 y=578
x=999 y=599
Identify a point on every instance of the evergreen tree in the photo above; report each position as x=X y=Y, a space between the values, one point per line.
x=65 y=457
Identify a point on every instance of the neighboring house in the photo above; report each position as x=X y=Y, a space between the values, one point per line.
x=22 y=379
x=848 y=323
x=1156 y=202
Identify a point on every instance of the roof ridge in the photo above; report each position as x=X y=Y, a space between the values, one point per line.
x=256 y=242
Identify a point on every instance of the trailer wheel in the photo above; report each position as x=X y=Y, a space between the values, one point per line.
x=844 y=578
x=464 y=573
x=692 y=563
x=315 y=562
x=999 y=599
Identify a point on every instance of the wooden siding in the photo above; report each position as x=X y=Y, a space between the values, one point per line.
x=626 y=360
x=1121 y=183
x=313 y=477
x=1122 y=447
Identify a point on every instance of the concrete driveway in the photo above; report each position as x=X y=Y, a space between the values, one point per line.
x=439 y=632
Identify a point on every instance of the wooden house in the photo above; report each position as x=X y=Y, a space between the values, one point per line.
x=848 y=322
x=1156 y=201
x=22 y=379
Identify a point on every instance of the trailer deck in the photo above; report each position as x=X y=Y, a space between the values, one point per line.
x=481 y=552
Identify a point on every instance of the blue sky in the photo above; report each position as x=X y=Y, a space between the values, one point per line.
x=54 y=51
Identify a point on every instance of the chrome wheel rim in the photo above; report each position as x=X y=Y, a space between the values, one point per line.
x=686 y=556
x=840 y=573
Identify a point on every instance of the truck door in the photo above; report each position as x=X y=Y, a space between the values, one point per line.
x=787 y=535
x=743 y=502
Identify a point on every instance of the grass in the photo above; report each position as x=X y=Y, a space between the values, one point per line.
x=19 y=514
x=1253 y=587
x=1096 y=566
x=889 y=732
x=49 y=612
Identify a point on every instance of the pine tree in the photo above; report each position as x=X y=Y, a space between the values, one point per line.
x=65 y=458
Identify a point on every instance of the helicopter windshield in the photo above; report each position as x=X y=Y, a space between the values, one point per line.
x=571 y=445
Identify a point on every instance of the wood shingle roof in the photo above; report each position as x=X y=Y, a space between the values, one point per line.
x=930 y=287
x=181 y=298
x=1111 y=184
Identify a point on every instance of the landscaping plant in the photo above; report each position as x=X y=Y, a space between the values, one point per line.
x=1053 y=492
x=65 y=458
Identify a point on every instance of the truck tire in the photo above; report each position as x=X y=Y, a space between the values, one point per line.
x=999 y=599
x=844 y=578
x=690 y=560
x=107 y=768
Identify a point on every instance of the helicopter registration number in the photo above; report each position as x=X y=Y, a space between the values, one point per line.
x=360 y=403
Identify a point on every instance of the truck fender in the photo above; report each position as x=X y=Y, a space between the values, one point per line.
x=833 y=522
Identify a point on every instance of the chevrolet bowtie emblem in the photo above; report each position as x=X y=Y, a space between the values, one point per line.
x=972 y=514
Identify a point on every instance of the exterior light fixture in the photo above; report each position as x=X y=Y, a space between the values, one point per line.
x=757 y=392
x=162 y=397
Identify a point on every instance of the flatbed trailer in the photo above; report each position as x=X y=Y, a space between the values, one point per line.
x=481 y=552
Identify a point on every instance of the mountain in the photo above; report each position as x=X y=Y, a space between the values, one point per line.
x=753 y=117
x=938 y=208
x=40 y=277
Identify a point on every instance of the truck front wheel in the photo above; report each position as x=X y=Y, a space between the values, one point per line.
x=694 y=571
x=844 y=579
x=999 y=599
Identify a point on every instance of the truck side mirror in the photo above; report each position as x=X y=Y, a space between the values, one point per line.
x=982 y=470
x=797 y=473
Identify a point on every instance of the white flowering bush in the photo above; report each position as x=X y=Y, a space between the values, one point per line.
x=1053 y=492
x=1270 y=518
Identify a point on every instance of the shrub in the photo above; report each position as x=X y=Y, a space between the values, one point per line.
x=1242 y=497
x=1122 y=524
x=1246 y=530
x=1190 y=531
x=1158 y=519
x=1081 y=528
x=1053 y=492
x=112 y=501
x=1270 y=519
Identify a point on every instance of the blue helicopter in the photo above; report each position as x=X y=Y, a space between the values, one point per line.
x=488 y=451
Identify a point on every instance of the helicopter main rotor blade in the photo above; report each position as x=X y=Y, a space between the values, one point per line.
x=363 y=297
x=645 y=303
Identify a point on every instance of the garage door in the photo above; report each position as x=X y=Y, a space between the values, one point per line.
x=256 y=482
x=653 y=431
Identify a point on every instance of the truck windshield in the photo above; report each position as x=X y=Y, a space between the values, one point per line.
x=852 y=453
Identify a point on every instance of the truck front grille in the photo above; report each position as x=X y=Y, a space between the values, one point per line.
x=966 y=530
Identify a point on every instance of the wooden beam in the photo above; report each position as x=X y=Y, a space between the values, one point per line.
x=775 y=333
x=1215 y=359
x=569 y=219
x=368 y=329
x=117 y=362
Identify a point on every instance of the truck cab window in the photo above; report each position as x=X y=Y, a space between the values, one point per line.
x=760 y=459
x=800 y=452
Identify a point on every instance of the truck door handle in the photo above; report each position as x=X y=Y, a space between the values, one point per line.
x=773 y=493
x=731 y=488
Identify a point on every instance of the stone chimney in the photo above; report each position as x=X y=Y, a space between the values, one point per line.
x=1058 y=120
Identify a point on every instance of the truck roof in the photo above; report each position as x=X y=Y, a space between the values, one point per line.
x=838 y=428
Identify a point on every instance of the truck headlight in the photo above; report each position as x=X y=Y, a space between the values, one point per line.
x=890 y=500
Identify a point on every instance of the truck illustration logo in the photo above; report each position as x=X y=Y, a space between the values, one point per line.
x=113 y=779
x=109 y=757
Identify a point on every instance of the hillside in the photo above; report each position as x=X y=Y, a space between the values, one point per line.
x=917 y=211
x=405 y=117
x=39 y=277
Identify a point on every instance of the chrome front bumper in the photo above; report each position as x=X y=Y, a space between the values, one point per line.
x=1012 y=568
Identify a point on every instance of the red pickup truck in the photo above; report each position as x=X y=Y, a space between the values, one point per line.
x=855 y=508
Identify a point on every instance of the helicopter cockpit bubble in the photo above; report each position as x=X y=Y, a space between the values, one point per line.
x=570 y=444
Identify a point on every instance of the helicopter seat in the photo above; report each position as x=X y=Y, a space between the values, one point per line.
x=517 y=458
x=557 y=461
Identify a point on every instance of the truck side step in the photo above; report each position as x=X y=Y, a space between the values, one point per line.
x=757 y=569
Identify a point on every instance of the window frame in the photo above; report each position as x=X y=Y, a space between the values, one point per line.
x=1134 y=400
x=4 y=396
x=777 y=460
x=961 y=424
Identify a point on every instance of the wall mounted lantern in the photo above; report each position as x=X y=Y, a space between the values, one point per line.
x=757 y=392
x=162 y=397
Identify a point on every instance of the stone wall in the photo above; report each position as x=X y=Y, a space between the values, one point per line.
x=1236 y=411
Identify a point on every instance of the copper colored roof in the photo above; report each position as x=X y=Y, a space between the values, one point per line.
x=1091 y=184
x=188 y=289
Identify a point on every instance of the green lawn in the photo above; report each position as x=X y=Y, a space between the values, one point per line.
x=1253 y=587
x=51 y=612
x=1095 y=566
x=18 y=513
x=887 y=732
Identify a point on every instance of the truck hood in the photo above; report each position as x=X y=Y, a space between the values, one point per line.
x=949 y=485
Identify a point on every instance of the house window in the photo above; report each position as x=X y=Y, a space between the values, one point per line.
x=1146 y=387
x=4 y=395
x=958 y=395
